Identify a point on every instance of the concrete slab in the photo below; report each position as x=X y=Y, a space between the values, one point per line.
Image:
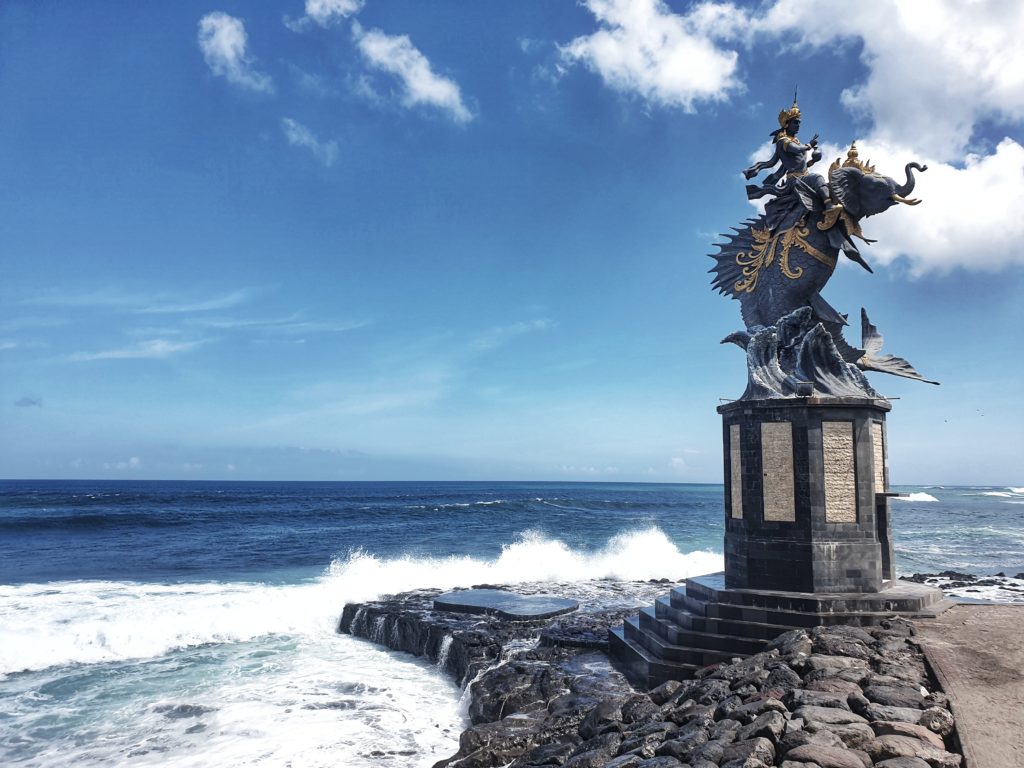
x=977 y=653
x=506 y=605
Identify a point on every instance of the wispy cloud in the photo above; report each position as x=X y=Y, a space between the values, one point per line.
x=112 y=299
x=396 y=55
x=133 y=463
x=291 y=325
x=299 y=135
x=214 y=303
x=223 y=41
x=28 y=402
x=501 y=335
x=149 y=349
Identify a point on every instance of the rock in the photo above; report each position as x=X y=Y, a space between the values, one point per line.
x=833 y=685
x=770 y=726
x=938 y=721
x=886 y=747
x=491 y=744
x=545 y=754
x=852 y=675
x=782 y=678
x=727 y=706
x=638 y=708
x=821 y=663
x=759 y=748
x=684 y=742
x=895 y=695
x=829 y=715
x=664 y=692
x=607 y=715
x=903 y=762
x=644 y=746
x=826 y=757
x=691 y=712
x=853 y=735
x=725 y=729
x=709 y=691
x=624 y=761
x=937 y=699
x=835 y=644
x=747 y=713
x=896 y=728
x=802 y=697
x=748 y=762
x=792 y=643
x=660 y=762
x=511 y=688
x=595 y=752
x=799 y=738
x=881 y=712
x=711 y=752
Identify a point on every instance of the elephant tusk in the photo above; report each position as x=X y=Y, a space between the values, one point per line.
x=905 y=201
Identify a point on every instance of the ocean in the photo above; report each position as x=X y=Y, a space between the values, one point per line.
x=193 y=623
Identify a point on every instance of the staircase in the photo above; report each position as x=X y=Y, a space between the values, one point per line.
x=703 y=623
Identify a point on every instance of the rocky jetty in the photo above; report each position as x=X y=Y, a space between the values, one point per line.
x=545 y=693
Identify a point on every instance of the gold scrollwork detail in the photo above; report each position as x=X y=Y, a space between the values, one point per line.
x=762 y=254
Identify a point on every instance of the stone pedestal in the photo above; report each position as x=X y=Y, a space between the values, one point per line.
x=806 y=503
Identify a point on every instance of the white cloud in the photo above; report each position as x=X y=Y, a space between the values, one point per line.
x=666 y=58
x=970 y=216
x=226 y=301
x=397 y=55
x=934 y=69
x=497 y=337
x=324 y=12
x=299 y=135
x=149 y=349
x=223 y=41
x=133 y=463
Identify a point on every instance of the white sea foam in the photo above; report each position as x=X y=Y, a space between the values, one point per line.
x=88 y=622
x=916 y=496
x=1017 y=490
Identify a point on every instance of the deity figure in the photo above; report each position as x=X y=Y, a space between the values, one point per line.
x=792 y=182
x=776 y=265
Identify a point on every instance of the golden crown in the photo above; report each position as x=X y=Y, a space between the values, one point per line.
x=788 y=114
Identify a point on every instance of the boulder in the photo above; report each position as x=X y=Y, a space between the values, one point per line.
x=903 y=762
x=895 y=695
x=665 y=691
x=802 y=697
x=760 y=748
x=833 y=685
x=887 y=747
x=660 y=762
x=770 y=726
x=896 y=728
x=792 y=643
x=826 y=757
x=853 y=735
x=938 y=721
x=829 y=715
x=606 y=716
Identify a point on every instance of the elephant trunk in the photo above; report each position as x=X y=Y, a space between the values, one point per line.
x=901 y=192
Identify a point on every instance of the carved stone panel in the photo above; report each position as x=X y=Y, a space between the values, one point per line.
x=735 y=472
x=878 y=451
x=777 y=466
x=840 y=472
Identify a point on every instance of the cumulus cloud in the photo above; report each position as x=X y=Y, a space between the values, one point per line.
x=149 y=349
x=299 y=135
x=133 y=463
x=666 y=58
x=933 y=71
x=324 y=12
x=396 y=55
x=223 y=41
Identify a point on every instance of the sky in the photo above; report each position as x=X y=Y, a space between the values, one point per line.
x=401 y=240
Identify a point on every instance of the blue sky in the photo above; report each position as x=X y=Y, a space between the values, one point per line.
x=346 y=240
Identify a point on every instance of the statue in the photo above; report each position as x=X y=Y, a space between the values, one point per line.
x=777 y=264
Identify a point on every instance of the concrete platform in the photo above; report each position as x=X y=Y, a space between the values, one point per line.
x=506 y=605
x=977 y=653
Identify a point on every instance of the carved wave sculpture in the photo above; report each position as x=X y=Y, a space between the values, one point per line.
x=797 y=357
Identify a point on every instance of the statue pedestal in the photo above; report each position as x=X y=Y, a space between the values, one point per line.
x=808 y=541
x=807 y=508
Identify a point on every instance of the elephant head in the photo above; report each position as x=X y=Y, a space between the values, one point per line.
x=863 y=192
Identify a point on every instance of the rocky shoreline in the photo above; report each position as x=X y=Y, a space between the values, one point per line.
x=544 y=693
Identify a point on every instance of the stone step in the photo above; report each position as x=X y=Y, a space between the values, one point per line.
x=666 y=651
x=899 y=597
x=664 y=610
x=672 y=633
x=640 y=666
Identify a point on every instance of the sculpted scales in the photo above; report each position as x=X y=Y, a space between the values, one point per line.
x=777 y=264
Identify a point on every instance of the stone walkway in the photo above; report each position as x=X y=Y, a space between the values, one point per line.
x=977 y=652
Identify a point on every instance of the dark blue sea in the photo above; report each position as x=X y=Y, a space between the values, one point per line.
x=192 y=624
